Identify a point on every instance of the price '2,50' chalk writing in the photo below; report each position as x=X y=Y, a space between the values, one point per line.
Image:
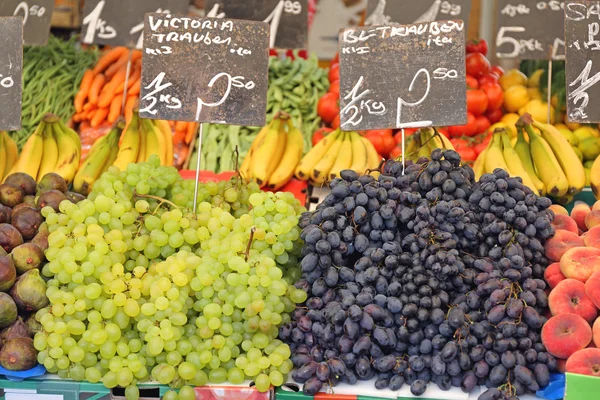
x=23 y=9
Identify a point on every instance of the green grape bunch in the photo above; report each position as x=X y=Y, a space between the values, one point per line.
x=143 y=289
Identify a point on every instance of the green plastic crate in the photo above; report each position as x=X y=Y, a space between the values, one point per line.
x=587 y=196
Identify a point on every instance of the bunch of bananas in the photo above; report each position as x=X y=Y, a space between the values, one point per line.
x=53 y=147
x=545 y=161
x=595 y=178
x=140 y=139
x=274 y=153
x=336 y=152
x=8 y=147
x=423 y=142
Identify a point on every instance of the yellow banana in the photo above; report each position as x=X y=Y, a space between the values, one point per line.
x=114 y=152
x=359 y=154
x=344 y=157
x=142 y=156
x=426 y=143
x=447 y=145
x=515 y=165
x=291 y=157
x=568 y=160
x=246 y=167
x=276 y=158
x=50 y=155
x=310 y=159
x=495 y=157
x=165 y=130
x=152 y=142
x=12 y=153
x=265 y=152
x=479 y=165
x=2 y=159
x=595 y=178
x=93 y=165
x=546 y=165
x=31 y=155
x=320 y=172
x=130 y=145
x=522 y=149
x=69 y=152
x=373 y=158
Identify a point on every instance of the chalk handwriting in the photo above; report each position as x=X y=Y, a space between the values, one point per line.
x=358 y=102
x=158 y=86
x=97 y=24
x=580 y=94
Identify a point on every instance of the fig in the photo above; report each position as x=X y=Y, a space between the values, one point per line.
x=10 y=237
x=21 y=206
x=18 y=354
x=3 y=252
x=8 y=273
x=41 y=240
x=33 y=325
x=50 y=198
x=27 y=220
x=8 y=310
x=16 y=330
x=27 y=256
x=52 y=181
x=29 y=199
x=74 y=197
x=29 y=291
x=22 y=180
x=5 y=213
x=11 y=195
x=44 y=228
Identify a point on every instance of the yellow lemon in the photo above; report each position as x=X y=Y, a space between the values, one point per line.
x=515 y=97
x=579 y=153
x=534 y=79
x=512 y=77
x=498 y=125
x=538 y=110
x=583 y=133
x=572 y=125
x=560 y=125
x=534 y=93
x=571 y=138
x=510 y=120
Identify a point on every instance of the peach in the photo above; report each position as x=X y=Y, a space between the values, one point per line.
x=566 y=223
x=562 y=241
x=592 y=219
x=580 y=211
x=565 y=334
x=596 y=332
x=552 y=275
x=580 y=263
x=596 y=206
x=592 y=237
x=585 y=362
x=568 y=297
x=592 y=288
x=559 y=210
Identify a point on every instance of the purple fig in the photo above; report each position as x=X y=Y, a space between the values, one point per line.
x=16 y=330
x=8 y=310
x=52 y=181
x=33 y=325
x=27 y=220
x=74 y=197
x=11 y=195
x=22 y=180
x=8 y=273
x=5 y=213
x=18 y=354
x=50 y=198
x=41 y=240
x=10 y=237
x=29 y=292
x=27 y=256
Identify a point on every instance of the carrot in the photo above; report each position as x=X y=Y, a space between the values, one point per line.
x=115 y=108
x=78 y=117
x=97 y=84
x=91 y=114
x=191 y=131
x=134 y=76
x=110 y=71
x=108 y=58
x=108 y=93
x=181 y=126
x=129 y=106
x=99 y=117
x=84 y=88
x=134 y=90
x=84 y=125
x=88 y=106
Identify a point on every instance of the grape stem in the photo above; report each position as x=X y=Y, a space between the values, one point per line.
x=250 y=242
x=159 y=199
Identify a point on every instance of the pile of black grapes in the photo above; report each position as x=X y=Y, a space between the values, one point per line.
x=424 y=276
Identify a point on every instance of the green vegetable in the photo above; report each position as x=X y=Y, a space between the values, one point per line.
x=51 y=78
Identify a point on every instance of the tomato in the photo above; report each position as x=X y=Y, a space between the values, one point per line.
x=483 y=142
x=336 y=121
x=495 y=95
x=477 y=46
x=494 y=115
x=335 y=88
x=459 y=143
x=382 y=140
x=467 y=154
x=482 y=124
x=320 y=134
x=407 y=132
x=328 y=107
x=488 y=78
x=334 y=72
x=464 y=130
x=477 y=101
x=444 y=131
x=498 y=70
x=472 y=83
x=477 y=65
x=335 y=59
x=396 y=152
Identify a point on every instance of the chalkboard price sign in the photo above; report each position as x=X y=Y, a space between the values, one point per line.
x=288 y=19
x=121 y=22
x=530 y=29
x=205 y=70
x=582 y=35
x=403 y=76
x=11 y=67
x=36 y=16
x=384 y=12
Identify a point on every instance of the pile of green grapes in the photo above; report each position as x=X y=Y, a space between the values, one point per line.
x=142 y=289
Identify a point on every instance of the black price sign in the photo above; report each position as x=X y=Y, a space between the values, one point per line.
x=530 y=29
x=403 y=76
x=205 y=70
x=121 y=22
x=36 y=16
x=11 y=68
x=582 y=34
x=288 y=19
x=385 y=12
